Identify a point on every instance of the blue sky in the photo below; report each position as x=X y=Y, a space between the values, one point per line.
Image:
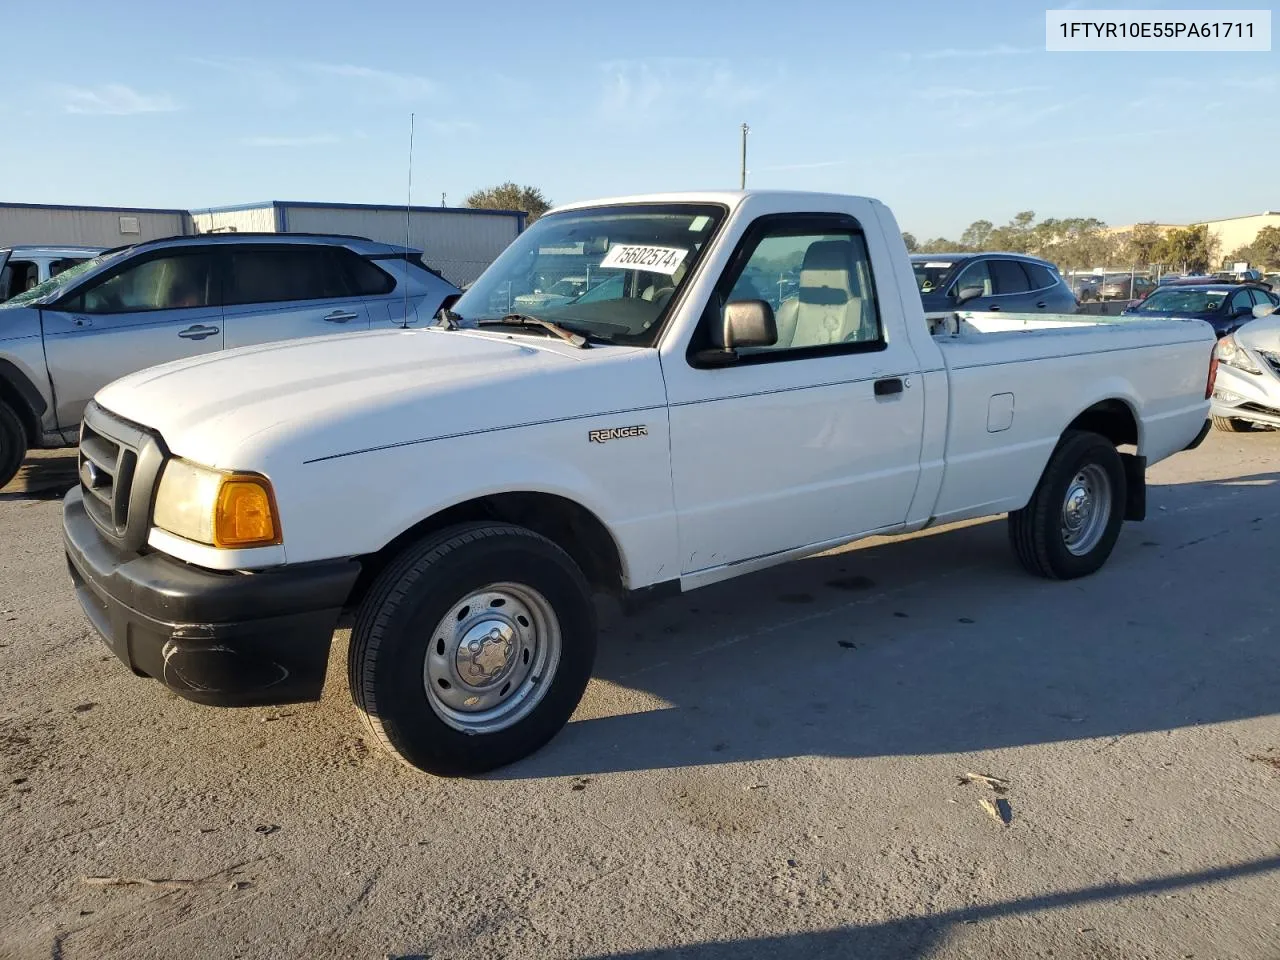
x=946 y=111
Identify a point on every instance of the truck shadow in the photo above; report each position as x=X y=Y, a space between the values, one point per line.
x=941 y=644
x=44 y=475
x=919 y=936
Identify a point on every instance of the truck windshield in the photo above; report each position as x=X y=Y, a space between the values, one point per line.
x=54 y=286
x=608 y=273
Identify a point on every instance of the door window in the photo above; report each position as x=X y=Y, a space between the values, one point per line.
x=57 y=266
x=1263 y=298
x=1008 y=277
x=365 y=279
x=171 y=282
x=1240 y=300
x=18 y=276
x=819 y=285
x=974 y=281
x=276 y=274
x=1040 y=277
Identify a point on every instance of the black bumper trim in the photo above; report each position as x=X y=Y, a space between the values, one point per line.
x=1204 y=432
x=225 y=639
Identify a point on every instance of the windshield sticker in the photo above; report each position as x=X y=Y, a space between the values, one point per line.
x=932 y=265
x=699 y=224
x=627 y=256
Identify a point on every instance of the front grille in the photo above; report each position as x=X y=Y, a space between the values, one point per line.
x=119 y=465
x=107 y=467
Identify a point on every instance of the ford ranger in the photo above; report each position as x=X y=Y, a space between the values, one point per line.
x=753 y=379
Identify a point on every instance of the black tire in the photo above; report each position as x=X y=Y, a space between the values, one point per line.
x=394 y=629
x=1036 y=531
x=13 y=443
x=1231 y=425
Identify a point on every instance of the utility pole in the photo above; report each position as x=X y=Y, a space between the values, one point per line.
x=742 y=185
x=442 y=201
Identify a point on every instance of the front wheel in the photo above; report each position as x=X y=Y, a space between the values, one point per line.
x=1072 y=522
x=1231 y=425
x=473 y=648
x=13 y=443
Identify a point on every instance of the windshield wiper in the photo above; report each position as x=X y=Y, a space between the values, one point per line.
x=524 y=320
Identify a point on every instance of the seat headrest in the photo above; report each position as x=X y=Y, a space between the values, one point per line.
x=825 y=273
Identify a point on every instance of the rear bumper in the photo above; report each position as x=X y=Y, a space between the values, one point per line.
x=224 y=639
x=1199 y=438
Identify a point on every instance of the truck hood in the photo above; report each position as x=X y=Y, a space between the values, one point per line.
x=311 y=399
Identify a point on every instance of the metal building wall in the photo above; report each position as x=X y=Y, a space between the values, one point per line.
x=30 y=223
x=255 y=218
x=460 y=244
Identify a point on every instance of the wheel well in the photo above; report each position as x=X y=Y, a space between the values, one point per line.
x=1112 y=419
x=569 y=525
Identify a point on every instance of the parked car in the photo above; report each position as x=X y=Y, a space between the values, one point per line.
x=1225 y=306
x=464 y=489
x=1247 y=391
x=1124 y=286
x=986 y=282
x=22 y=268
x=137 y=306
x=1085 y=286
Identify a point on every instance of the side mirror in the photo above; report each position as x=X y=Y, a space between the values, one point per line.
x=749 y=323
x=742 y=323
x=1263 y=310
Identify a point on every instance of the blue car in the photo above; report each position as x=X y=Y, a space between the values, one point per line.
x=1224 y=305
x=984 y=282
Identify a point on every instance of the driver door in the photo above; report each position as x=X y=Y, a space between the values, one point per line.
x=160 y=306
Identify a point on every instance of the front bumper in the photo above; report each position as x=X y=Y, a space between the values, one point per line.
x=1245 y=396
x=224 y=639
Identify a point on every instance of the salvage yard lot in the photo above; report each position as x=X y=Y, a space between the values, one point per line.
x=771 y=767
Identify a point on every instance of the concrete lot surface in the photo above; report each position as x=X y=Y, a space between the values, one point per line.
x=770 y=768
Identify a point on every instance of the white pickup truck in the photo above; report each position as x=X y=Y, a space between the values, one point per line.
x=463 y=490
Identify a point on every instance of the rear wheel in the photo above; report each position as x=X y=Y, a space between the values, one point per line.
x=473 y=648
x=1231 y=425
x=13 y=443
x=1072 y=522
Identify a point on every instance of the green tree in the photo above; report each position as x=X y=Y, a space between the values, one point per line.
x=910 y=240
x=941 y=245
x=1140 y=244
x=511 y=196
x=1191 y=249
x=977 y=236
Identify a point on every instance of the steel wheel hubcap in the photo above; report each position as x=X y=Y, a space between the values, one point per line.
x=491 y=657
x=1086 y=509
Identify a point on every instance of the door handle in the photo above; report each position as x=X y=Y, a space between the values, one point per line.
x=197 y=332
x=339 y=316
x=82 y=322
x=1041 y=305
x=993 y=308
x=888 y=386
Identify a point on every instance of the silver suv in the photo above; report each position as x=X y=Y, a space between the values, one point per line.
x=146 y=304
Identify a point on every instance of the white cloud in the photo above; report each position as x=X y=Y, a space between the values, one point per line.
x=312 y=140
x=968 y=93
x=269 y=82
x=818 y=165
x=114 y=99
x=958 y=53
x=399 y=86
x=671 y=84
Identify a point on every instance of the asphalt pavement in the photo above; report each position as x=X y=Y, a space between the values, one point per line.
x=791 y=765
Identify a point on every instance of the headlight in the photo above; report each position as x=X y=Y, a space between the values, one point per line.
x=231 y=510
x=1234 y=355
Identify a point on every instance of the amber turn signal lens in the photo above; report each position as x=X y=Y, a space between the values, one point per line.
x=245 y=513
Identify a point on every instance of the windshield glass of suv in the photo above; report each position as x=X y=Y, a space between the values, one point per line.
x=54 y=286
x=631 y=262
x=931 y=274
x=1183 y=301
